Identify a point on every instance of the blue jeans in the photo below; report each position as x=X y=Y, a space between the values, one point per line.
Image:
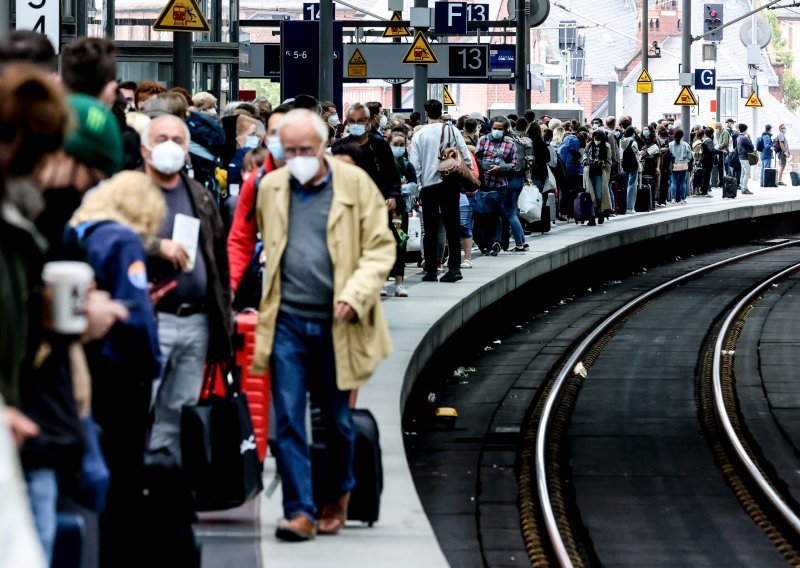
x=507 y=208
x=597 y=184
x=633 y=178
x=302 y=363
x=465 y=221
x=677 y=186
x=765 y=163
x=43 y=494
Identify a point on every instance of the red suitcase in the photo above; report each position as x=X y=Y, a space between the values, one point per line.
x=255 y=386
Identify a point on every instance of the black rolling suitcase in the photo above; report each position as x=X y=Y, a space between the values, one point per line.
x=69 y=544
x=644 y=198
x=583 y=207
x=770 y=177
x=542 y=225
x=620 y=191
x=795 y=177
x=365 y=498
x=729 y=187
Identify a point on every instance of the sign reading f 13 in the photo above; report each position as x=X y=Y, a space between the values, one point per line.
x=451 y=17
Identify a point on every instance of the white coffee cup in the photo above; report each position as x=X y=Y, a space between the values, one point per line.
x=68 y=283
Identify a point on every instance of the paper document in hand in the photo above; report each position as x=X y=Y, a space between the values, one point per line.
x=186 y=232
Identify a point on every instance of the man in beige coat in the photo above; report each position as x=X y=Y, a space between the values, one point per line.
x=321 y=327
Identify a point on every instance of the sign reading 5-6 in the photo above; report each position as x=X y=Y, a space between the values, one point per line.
x=42 y=16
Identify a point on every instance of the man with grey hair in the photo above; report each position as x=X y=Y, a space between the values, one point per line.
x=321 y=327
x=194 y=323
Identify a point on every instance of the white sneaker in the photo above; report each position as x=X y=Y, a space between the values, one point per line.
x=466 y=264
x=401 y=291
x=384 y=293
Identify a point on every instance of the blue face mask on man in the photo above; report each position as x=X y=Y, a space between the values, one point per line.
x=275 y=148
x=497 y=134
x=358 y=130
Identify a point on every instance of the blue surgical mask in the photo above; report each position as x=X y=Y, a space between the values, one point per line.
x=645 y=133
x=497 y=134
x=398 y=151
x=358 y=130
x=252 y=142
x=275 y=148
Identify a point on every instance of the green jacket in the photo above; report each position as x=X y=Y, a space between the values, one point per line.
x=21 y=261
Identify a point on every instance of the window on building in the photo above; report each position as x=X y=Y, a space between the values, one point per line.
x=728 y=102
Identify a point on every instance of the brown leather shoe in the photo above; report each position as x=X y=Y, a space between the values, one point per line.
x=334 y=515
x=297 y=529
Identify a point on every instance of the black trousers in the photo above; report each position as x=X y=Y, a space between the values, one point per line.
x=440 y=201
x=720 y=165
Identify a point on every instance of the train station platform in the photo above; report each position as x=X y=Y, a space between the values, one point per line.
x=420 y=325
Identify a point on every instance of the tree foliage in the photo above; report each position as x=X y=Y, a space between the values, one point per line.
x=791 y=84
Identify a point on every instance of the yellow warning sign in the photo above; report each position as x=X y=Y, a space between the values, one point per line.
x=181 y=16
x=644 y=84
x=754 y=101
x=448 y=98
x=357 y=66
x=400 y=31
x=686 y=98
x=420 y=51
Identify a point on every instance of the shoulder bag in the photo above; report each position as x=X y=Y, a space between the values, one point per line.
x=219 y=446
x=452 y=166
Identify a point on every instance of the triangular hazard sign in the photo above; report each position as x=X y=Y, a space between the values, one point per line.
x=181 y=16
x=644 y=77
x=357 y=58
x=420 y=51
x=686 y=98
x=754 y=101
x=448 y=98
x=401 y=31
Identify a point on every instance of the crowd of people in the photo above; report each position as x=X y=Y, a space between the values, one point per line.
x=183 y=212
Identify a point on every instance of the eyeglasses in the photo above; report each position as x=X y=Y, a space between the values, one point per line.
x=304 y=151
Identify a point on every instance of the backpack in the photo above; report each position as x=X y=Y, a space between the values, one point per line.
x=524 y=156
x=697 y=151
x=629 y=161
x=760 y=144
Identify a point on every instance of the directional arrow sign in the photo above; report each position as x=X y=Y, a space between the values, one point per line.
x=420 y=51
x=686 y=98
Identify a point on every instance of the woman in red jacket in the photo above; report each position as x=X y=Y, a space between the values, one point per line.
x=243 y=237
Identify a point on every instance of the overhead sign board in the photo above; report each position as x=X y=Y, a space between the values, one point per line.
x=311 y=10
x=705 y=79
x=400 y=31
x=181 y=16
x=644 y=84
x=457 y=61
x=420 y=51
x=300 y=59
x=43 y=17
x=478 y=12
x=357 y=65
x=754 y=101
x=450 y=17
x=686 y=98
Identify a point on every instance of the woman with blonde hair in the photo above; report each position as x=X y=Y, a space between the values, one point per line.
x=558 y=131
x=108 y=232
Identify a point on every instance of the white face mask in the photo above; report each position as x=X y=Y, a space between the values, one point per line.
x=334 y=121
x=303 y=168
x=167 y=157
x=383 y=120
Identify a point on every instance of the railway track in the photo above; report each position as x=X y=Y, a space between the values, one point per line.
x=569 y=517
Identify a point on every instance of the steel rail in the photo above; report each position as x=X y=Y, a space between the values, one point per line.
x=543 y=428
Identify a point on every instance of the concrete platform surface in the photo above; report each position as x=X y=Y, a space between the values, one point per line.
x=420 y=324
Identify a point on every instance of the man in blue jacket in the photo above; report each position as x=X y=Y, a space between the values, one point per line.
x=764 y=145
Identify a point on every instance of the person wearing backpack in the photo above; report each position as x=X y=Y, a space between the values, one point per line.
x=629 y=162
x=682 y=155
x=519 y=175
x=745 y=149
x=764 y=148
x=707 y=161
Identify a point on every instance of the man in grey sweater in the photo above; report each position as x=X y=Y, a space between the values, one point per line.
x=439 y=199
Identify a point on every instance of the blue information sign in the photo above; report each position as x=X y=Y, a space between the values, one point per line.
x=450 y=17
x=705 y=79
x=300 y=59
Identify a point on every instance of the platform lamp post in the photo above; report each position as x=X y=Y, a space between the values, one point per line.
x=326 y=50
x=686 y=56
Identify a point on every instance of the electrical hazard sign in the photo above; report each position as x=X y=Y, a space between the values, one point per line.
x=754 y=101
x=420 y=51
x=400 y=31
x=686 y=98
x=357 y=65
x=181 y=16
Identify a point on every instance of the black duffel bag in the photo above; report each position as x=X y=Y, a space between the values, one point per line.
x=219 y=446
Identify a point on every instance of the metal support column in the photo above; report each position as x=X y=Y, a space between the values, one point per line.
x=397 y=89
x=5 y=18
x=81 y=18
x=645 y=59
x=718 y=117
x=110 y=26
x=420 y=75
x=612 y=98
x=182 y=65
x=520 y=65
x=686 y=58
x=326 y=50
